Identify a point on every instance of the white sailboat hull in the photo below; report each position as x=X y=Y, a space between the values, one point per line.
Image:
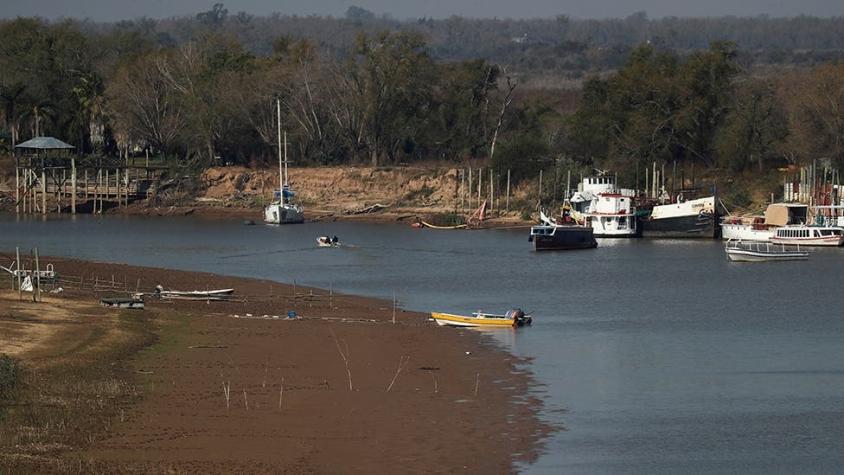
x=277 y=213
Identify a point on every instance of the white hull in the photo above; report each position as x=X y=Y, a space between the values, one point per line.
x=832 y=241
x=737 y=255
x=762 y=252
x=617 y=225
x=745 y=232
x=277 y=213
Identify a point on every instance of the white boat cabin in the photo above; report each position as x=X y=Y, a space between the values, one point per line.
x=609 y=210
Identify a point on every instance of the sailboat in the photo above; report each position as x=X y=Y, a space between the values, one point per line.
x=281 y=210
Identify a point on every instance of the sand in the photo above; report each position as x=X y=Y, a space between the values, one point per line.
x=322 y=393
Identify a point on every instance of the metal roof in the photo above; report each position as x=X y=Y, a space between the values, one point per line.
x=44 y=143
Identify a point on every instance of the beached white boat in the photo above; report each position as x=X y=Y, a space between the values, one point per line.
x=742 y=251
x=281 y=210
x=217 y=294
x=513 y=318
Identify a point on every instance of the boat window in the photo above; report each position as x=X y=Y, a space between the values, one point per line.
x=817 y=234
x=622 y=221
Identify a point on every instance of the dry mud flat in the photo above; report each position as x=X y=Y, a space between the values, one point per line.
x=321 y=394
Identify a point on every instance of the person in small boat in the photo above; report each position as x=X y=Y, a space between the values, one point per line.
x=334 y=240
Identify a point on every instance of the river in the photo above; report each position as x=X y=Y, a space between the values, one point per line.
x=657 y=356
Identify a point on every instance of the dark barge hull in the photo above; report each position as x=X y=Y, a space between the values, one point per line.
x=565 y=240
x=701 y=226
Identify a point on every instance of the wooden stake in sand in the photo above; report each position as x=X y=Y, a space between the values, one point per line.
x=402 y=362
x=394 y=307
x=246 y=401
x=344 y=355
x=436 y=384
x=227 y=393
x=281 y=393
x=477 y=383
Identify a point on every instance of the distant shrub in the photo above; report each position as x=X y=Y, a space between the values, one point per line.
x=8 y=374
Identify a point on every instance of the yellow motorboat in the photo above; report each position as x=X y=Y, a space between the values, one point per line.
x=513 y=318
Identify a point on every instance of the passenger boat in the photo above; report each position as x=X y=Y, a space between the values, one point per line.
x=550 y=236
x=607 y=209
x=809 y=235
x=739 y=251
x=282 y=211
x=513 y=318
x=683 y=219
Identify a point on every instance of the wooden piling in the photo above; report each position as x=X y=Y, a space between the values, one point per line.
x=508 y=190
x=43 y=189
x=17 y=189
x=73 y=186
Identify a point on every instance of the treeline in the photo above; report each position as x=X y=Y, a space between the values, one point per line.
x=536 y=46
x=388 y=100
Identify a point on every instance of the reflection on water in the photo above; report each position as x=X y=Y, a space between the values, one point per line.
x=668 y=358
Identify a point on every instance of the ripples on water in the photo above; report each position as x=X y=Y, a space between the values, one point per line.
x=668 y=358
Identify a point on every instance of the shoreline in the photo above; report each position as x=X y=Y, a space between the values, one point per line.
x=461 y=393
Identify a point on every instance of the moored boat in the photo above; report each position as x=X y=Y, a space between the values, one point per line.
x=739 y=251
x=809 y=235
x=513 y=318
x=683 y=219
x=607 y=209
x=281 y=210
x=550 y=236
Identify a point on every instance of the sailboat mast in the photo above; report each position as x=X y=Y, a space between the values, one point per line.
x=280 y=173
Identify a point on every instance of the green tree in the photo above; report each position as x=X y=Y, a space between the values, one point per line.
x=754 y=127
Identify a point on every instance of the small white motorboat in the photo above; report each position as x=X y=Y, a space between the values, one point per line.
x=739 y=251
x=325 y=241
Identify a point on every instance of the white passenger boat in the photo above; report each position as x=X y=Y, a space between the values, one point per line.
x=809 y=235
x=607 y=209
x=740 y=251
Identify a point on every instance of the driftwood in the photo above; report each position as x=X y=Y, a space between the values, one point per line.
x=367 y=209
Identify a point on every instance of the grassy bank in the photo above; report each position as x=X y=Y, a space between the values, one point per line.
x=65 y=401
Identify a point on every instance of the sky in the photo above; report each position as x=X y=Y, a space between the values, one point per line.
x=110 y=10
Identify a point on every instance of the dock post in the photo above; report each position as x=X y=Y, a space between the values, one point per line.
x=73 y=186
x=491 y=190
x=43 y=189
x=470 y=187
x=17 y=189
x=36 y=295
x=18 y=269
x=480 y=183
x=508 y=190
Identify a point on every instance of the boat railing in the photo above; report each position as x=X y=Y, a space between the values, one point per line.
x=757 y=246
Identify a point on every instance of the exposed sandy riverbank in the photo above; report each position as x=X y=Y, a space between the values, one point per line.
x=458 y=403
